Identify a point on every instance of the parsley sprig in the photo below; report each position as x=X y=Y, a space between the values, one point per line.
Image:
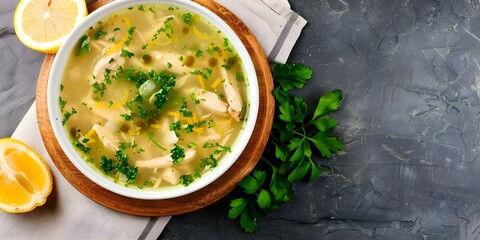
x=288 y=155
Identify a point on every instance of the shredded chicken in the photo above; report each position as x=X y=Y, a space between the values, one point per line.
x=210 y=100
x=107 y=139
x=234 y=99
x=165 y=160
x=107 y=63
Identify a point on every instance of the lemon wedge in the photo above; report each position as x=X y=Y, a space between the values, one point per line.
x=43 y=24
x=25 y=179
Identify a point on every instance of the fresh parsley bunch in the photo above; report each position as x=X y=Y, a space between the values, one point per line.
x=288 y=155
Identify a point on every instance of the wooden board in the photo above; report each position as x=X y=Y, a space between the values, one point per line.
x=198 y=199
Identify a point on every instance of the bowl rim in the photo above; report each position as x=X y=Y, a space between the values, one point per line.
x=53 y=93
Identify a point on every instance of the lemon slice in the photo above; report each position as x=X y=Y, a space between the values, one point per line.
x=25 y=179
x=43 y=24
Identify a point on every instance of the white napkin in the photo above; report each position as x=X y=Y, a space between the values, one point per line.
x=68 y=214
x=273 y=23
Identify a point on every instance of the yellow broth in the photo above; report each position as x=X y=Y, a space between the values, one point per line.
x=153 y=96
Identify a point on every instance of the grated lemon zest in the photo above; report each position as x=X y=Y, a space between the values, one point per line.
x=118 y=45
x=216 y=83
x=201 y=81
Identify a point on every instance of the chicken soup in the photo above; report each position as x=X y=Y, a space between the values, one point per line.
x=153 y=96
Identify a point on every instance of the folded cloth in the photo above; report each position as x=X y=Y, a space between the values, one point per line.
x=275 y=25
x=69 y=214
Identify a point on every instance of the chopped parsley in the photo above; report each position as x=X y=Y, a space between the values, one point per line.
x=184 y=110
x=161 y=97
x=82 y=147
x=226 y=45
x=178 y=154
x=164 y=83
x=99 y=90
x=199 y=53
x=120 y=164
x=62 y=103
x=126 y=53
x=230 y=62
x=194 y=99
x=206 y=73
x=99 y=33
x=130 y=32
x=106 y=164
x=67 y=115
x=127 y=116
x=151 y=9
x=167 y=29
x=186 y=179
x=212 y=48
x=175 y=126
x=239 y=77
x=187 y=18
x=209 y=162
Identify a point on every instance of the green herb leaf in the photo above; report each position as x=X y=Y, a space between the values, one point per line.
x=187 y=18
x=248 y=222
x=325 y=124
x=281 y=189
x=315 y=171
x=82 y=147
x=199 y=53
x=206 y=73
x=67 y=115
x=328 y=103
x=298 y=155
x=83 y=45
x=184 y=110
x=252 y=183
x=264 y=199
x=126 y=53
x=106 y=164
x=62 y=103
x=286 y=111
x=177 y=153
x=130 y=32
x=299 y=172
x=186 y=179
x=99 y=33
x=288 y=154
x=280 y=152
x=326 y=145
x=238 y=206
x=291 y=75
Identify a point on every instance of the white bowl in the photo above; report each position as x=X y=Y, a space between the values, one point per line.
x=53 y=93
